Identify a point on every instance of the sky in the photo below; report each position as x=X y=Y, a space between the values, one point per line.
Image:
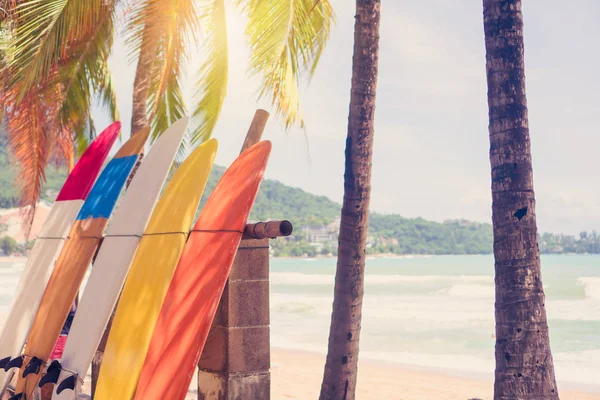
x=431 y=125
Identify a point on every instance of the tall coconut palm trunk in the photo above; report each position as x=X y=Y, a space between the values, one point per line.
x=141 y=90
x=524 y=367
x=142 y=81
x=339 y=380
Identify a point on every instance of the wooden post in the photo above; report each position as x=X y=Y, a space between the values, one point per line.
x=257 y=127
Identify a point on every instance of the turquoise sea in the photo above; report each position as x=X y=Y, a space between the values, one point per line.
x=438 y=312
x=432 y=312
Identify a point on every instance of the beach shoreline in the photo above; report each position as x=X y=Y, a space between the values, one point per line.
x=369 y=256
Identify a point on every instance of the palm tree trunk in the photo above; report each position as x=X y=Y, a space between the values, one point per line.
x=141 y=90
x=524 y=366
x=141 y=84
x=339 y=379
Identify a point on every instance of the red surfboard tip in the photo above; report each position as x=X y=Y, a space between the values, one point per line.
x=82 y=178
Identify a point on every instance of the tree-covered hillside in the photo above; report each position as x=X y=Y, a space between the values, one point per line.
x=419 y=236
x=406 y=236
x=277 y=201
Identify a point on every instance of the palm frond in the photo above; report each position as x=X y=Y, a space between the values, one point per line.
x=164 y=28
x=286 y=38
x=85 y=69
x=41 y=30
x=61 y=152
x=55 y=110
x=7 y=9
x=211 y=87
x=108 y=94
x=165 y=103
x=30 y=139
x=81 y=143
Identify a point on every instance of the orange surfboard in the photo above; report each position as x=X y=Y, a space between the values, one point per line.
x=72 y=263
x=197 y=284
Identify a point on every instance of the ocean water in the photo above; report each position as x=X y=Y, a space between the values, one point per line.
x=432 y=312
x=438 y=312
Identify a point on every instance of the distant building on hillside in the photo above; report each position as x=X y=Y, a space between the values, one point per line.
x=370 y=241
x=318 y=234
x=322 y=235
x=335 y=225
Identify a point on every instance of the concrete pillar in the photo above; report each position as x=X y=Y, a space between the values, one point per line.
x=236 y=359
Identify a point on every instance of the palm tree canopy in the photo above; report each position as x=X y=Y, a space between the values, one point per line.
x=58 y=55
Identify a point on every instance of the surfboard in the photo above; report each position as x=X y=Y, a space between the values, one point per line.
x=112 y=263
x=73 y=261
x=47 y=247
x=197 y=284
x=149 y=276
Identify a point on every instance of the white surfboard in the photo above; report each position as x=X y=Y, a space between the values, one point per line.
x=114 y=259
x=48 y=244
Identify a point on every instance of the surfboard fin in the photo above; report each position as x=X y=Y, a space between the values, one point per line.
x=67 y=383
x=4 y=361
x=33 y=367
x=18 y=396
x=52 y=373
x=15 y=363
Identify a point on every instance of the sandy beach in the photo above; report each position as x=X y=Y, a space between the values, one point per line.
x=297 y=375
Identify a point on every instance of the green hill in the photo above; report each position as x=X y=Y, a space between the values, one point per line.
x=387 y=233
x=277 y=201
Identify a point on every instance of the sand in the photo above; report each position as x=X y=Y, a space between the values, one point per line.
x=297 y=375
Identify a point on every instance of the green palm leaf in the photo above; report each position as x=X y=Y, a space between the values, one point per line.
x=42 y=27
x=85 y=70
x=211 y=87
x=170 y=26
x=287 y=38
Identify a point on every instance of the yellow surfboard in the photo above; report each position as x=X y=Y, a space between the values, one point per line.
x=150 y=274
